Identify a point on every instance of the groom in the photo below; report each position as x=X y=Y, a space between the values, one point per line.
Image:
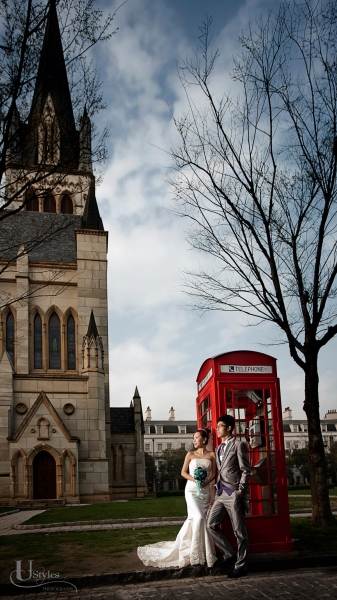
x=233 y=478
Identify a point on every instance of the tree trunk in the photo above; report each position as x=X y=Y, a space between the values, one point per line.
x=321 y=510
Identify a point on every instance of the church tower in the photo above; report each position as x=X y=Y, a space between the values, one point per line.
x=55 y=438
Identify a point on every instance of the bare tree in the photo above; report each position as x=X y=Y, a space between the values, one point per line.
x=81 y=26
x=256 y=176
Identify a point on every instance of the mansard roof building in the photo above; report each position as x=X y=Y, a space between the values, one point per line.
x=57 y=440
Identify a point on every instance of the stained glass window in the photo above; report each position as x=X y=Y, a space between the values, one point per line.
x=49 y=204
x=37 y=342
x=67 y=205
x=10 y=336
x=54 y=342
x=71 y=346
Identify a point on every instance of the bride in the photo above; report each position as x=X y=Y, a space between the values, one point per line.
x=193 y=544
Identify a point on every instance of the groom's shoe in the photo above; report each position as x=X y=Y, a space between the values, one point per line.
x=236 y=573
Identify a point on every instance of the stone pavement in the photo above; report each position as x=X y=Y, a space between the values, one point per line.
x=317 y=584
x=7 y=522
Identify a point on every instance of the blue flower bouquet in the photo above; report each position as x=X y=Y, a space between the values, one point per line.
x=200 y=475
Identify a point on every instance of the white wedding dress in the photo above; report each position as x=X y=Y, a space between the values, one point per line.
x=193 y=544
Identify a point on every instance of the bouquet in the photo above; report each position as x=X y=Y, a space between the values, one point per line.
x=200 y=475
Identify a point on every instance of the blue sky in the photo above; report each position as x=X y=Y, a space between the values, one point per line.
x=155 y=343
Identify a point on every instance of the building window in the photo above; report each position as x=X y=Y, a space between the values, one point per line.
x=182 y=428
x=147 y=429
x=37 y=342
x=304 y=427
x=159 y=429
x=147 y=447
x=182 y=446
x=169 y=446
x=287 y=445
x=71 y=346
x=32 y=204
x=49 y=204
x=10 y=336
x=295 y=428
x=67 y=206
x=54 y=342
x=324 y=427
x=159 y=447
x=296 y=445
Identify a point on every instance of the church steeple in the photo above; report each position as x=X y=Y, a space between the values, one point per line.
x=52 y=96
x=91 y=217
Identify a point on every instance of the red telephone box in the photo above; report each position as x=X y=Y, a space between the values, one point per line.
x=245 y=385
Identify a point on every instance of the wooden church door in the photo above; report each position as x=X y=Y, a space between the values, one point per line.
x=44 y=476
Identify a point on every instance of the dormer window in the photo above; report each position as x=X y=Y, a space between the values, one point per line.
x=159 y=429
x=182 y=428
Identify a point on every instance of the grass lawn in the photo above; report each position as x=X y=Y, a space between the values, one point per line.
x=153 y=507
x=106 y=551
x=4 y=509
x=79 y=552
x=332 y=492
x=174 y=506
x=313 y=540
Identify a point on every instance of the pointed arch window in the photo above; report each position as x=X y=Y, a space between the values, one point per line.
x=32 y=204
x=54 y=342
x=71 y=344
x=49 y=204
x=67 y=206
x=10 y=336
x=37 y=342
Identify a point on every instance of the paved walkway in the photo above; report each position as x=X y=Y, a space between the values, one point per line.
x=303 y=584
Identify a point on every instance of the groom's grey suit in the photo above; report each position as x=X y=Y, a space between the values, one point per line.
x=233 y=474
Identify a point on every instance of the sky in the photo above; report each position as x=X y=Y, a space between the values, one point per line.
x=156 y=342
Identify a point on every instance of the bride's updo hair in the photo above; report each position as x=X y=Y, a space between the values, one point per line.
x=205 y=433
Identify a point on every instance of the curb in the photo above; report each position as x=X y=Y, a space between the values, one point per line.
x=100 y=522
x=10 y=512
x=134 y=577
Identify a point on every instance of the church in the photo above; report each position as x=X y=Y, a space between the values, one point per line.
x=60 y=442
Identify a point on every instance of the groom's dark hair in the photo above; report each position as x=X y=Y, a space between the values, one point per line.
x=228 y=420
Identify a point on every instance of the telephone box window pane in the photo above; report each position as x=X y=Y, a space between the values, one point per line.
x=10 y=336
x=54 y=342
x=37 y=342
x=71 y=346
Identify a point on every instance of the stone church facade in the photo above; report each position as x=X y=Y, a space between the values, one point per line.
x=59 y=439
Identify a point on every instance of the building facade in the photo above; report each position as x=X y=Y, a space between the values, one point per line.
x=55 y=418
x=167 y=434
x=296 y=430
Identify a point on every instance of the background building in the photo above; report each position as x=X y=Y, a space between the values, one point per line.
x=167 y=435
x=296 y=430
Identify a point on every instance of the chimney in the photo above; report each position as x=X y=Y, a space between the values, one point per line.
x=171 y=413
x=287 y=414
x=331 y=414
x=148 y=414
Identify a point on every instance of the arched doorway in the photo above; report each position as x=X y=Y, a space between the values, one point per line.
x=44 y=476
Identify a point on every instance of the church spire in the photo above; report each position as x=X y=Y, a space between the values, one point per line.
x=52 y=87
x=91 y=217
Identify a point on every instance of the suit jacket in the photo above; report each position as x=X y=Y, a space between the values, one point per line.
x=234 y=470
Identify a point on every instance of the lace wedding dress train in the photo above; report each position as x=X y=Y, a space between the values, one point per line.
x=193 y=544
